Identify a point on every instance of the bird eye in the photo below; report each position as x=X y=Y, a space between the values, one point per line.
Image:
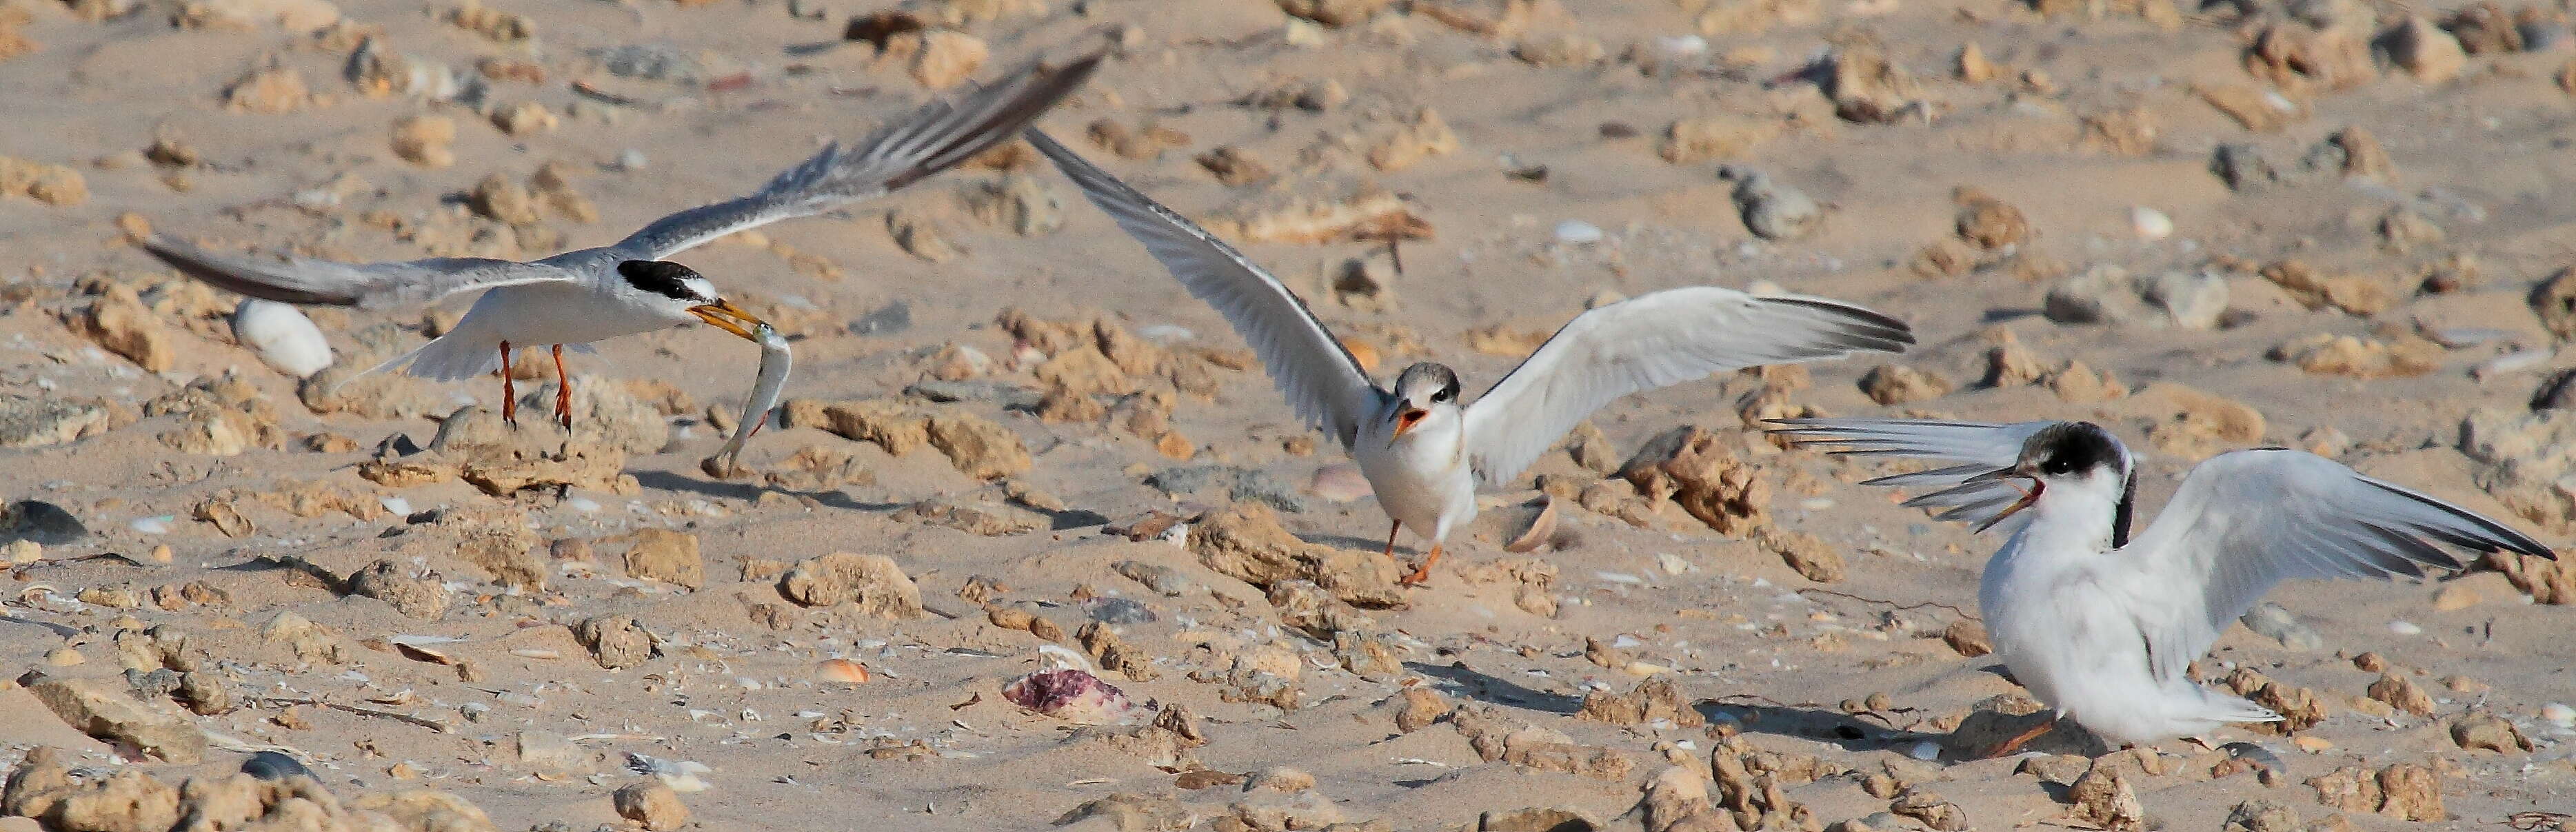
x=1441 y=396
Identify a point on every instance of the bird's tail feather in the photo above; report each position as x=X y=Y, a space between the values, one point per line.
x=444 y=359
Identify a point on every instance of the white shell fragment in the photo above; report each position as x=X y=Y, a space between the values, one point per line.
x=284 y=339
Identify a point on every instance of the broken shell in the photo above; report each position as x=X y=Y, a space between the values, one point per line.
x=841 y=670
x=1070 y=695
x=1542 y=528
x=282 y=336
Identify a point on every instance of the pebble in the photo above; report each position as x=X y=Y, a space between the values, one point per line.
x=2559 y=714
x=631 y=160
x=282 y=336
x=1118 y=611
x=2405 y=628
x=273 y=766
x=1578 y=233
x=651 y=804
x=1772 y=210
x=2272 y=621
x=2150 y=223
x=153 y=525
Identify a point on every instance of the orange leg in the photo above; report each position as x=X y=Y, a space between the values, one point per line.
x=2014 y=743
x=563 y=391
x=509 y=390
x=1422 y=574
x=1390 y=537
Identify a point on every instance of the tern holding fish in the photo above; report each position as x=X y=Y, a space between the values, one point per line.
x=1422 y=448
x=2103 y=627
x=598 y=293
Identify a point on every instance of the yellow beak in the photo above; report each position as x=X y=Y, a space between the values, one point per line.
x=1405 y=421
x=730 y=318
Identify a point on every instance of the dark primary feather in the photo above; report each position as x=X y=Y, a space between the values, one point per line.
x=937 y=136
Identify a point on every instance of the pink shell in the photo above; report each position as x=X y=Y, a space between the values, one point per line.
x=1070 y=695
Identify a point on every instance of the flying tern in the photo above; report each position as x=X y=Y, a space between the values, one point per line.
x=629 y=287
x=1423 y=448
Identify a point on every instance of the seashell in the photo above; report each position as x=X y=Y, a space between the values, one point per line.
x=284 y=339
x=841 y=670
x=1071 y=695
x=1542 y=528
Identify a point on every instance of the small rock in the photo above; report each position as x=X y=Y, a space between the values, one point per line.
x=617 y=641
x=273 y=767
x=121 y=324
x=947 y=58
x=1027 y=205
x=417 y=596
x=2432 y=55
x=1422 y=707
x=1968 y=638
x=2103 y=797
x=652 y=804
x=2261 y=816
x=35 y=422
x=1424 y=137
x=2192 y=300
x=1804 y=552
x=101 y=708
x=1333 y=12
x=1930 y=809
x=525 y=118
x=1988 y=222
x=872 y=582
x=423 y=140
x=667 y=556
x=1235 y=167
x=269 y=91
x=2480 y=730
x=1772 y=210
x=2101 y=295
x=1892 y=384
x=2401 y=693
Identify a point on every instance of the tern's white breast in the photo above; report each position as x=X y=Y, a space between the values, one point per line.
x=574 y=312
x=1421 y=478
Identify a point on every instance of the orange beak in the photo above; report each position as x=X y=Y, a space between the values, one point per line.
x=2028 y=495
x=1405 y=420
x=730 y=318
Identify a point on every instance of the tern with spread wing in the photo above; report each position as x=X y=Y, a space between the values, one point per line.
x=2102 y=627
x=598 y=293
x=1424 y=450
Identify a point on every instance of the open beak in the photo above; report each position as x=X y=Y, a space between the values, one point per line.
x=730 y=318
x=2028 y=495
x=1406 y=419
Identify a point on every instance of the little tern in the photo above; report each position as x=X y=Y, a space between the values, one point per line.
x=1421 y=447
x=2103 y=627
x=629 y=287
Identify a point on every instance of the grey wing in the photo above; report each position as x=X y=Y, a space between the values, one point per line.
x=1972 y=448
x=1319 y=377
x=2244 y=521
x=368 y=285
x=1652 y=341
x=933 y=138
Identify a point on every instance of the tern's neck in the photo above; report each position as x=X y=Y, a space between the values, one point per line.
x=2075 y=515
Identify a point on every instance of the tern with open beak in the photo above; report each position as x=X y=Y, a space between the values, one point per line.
x=2103 y=627
x=1421 y=446
x=593 y=294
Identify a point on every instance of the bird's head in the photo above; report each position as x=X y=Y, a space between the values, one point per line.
x=2067 y=460
x=1424 y=393
x=683 y=294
